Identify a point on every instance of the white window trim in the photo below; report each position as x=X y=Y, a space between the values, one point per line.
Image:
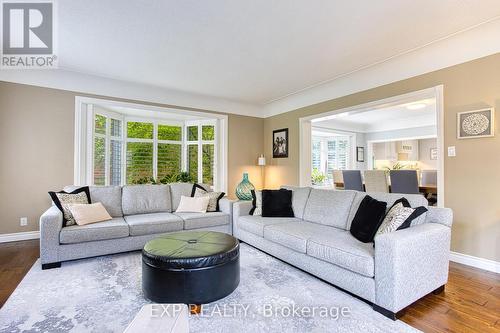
x=84 y=125
x=351 y=157
x=200 y=142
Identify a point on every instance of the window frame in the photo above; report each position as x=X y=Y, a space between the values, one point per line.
x=107 y=143
x=325 y=136
x=200 y=142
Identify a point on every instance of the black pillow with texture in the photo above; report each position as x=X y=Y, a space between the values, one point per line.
x=416 y=213
x=277 y=203
x=368 y=218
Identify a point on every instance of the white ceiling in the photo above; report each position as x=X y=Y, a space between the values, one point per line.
x=250 y=51
x=258 y=57
x=383 y=119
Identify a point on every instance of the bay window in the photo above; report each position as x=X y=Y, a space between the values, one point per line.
x=116 y=147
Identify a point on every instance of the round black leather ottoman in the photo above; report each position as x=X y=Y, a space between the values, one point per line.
x=190 y=267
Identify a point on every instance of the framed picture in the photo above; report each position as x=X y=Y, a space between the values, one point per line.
x=360 y=154
x=280 y=143
x=434 y=153
x=476 y=124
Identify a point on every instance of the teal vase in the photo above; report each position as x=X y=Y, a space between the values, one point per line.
x=244 y=189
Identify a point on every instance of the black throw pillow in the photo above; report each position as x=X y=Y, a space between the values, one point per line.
x=368 y=218
x=416 y=213
x=277 y=203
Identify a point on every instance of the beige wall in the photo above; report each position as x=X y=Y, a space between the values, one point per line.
x=472 y=178
x=36 y=150
x=424 y=154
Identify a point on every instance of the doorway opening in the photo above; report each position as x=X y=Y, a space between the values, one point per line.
x=400 y=132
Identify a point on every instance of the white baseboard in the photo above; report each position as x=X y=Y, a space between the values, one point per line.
x=465 y=259
x=19 y=236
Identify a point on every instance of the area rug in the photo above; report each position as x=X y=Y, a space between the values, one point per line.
x=103 y=295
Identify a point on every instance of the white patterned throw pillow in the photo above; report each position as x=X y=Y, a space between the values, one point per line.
x=396 y=216
x=213 y=197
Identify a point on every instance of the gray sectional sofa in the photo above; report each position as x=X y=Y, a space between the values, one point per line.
x=391 y=273
x=140 y=213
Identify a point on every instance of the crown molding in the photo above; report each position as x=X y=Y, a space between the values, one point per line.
x=473 y=43
x=102 y=86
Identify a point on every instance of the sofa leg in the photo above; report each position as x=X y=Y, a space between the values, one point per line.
x=51 y=265
x=438 y=290
x=385 y=312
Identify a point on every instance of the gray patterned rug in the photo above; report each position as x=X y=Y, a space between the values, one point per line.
x=104 y=294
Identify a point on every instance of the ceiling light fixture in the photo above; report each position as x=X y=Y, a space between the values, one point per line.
x=416 y=106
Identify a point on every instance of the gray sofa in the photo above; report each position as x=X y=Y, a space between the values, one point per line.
x=399 y=269
x=140 y=213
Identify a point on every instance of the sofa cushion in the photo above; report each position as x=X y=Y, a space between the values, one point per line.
x=109 y=196
x=294 y=235
x=115 y=228
x=339 y=247
x=203 y=220
x=154 y=223
x=415 y=200
x=329 y=207
x=299 y=199
x=145 y=199
x=256 y=224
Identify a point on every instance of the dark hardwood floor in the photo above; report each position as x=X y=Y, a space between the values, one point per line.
x=470 y=303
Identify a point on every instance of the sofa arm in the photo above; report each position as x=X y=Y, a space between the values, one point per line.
x=242 y=208
x=410 y=263
x=50 y=226
x=443 y=216
x=226 y=205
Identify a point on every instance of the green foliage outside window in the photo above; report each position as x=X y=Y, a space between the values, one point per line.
x=139 y=161
x=208 y=132
x=100 y=124
x=166 y=132
x=192 y=133
x=208 y=164
x=169 y=159
x=99 y=161
x=138 y=130
x=193 y=162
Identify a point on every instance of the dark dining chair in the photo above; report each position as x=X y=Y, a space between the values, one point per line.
x=352 y=180
x=404 y=181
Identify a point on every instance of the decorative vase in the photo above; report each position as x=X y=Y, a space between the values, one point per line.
x=244 y=189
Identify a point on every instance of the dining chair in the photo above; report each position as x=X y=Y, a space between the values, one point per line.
x=429 y=177
x=337 y=178
x=404 y=181
x=352 y=180
x=376 y=181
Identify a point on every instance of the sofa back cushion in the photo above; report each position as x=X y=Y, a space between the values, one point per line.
x=299 y=199
x=329 y=207
x=178 y=190
x=415 y=200
x=144 y=199
x=109 y=196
